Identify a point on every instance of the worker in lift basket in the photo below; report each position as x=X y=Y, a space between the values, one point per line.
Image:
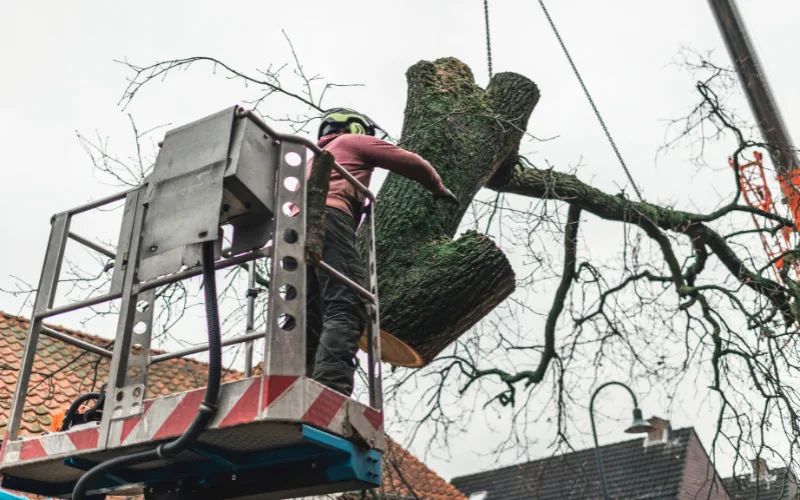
x=336 y=315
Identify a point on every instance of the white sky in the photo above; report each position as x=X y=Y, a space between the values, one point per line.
x=60 y=77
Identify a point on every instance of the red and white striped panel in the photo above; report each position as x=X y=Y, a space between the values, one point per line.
x=261 y=398
x=62 y=444
x=170 y=416
x=325 y=408
x=305 y=400
x=282 y=397
x=368 y=422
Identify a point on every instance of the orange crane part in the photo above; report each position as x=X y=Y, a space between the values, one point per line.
x=757 y=194
x=790 y=185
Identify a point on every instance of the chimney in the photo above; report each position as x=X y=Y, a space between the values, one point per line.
x=760 y=469
x=660 y=434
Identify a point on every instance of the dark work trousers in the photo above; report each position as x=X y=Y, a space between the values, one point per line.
x=336 y=315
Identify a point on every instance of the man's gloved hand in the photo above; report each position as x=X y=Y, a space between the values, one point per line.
x=448 y=195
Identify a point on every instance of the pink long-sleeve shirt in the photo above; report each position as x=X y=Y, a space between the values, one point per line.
x=360 y=154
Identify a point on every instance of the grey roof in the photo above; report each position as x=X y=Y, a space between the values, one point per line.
x=632 y=470
x=779 y=485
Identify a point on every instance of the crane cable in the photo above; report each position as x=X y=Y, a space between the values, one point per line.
x=497 y=199
x=488 y=38
x=588 y=96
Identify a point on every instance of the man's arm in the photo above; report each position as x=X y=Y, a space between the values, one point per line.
x=380 y=153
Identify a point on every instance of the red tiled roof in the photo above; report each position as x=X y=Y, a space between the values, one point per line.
x=62 y=372
x=401 y=469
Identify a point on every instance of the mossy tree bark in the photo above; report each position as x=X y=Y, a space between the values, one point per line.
x=316 y=194
x=433 y=288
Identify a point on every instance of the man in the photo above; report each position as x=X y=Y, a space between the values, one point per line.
x=336 y=315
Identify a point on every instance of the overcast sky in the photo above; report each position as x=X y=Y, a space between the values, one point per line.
x=60 y=77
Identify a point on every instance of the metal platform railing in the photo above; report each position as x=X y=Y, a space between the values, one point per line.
x=138 y=271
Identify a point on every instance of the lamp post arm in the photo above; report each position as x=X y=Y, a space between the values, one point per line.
x=597 y=391
x=594 y=431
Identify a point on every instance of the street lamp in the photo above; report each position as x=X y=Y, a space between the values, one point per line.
x=638 y=426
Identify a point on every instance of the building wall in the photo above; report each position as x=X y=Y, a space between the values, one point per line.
x=700 y=480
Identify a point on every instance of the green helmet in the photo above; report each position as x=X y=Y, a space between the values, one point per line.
x=347 y=121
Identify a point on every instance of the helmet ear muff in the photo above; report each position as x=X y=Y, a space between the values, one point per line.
x=357 y=128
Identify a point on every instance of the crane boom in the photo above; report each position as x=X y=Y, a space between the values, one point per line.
x=755 y=84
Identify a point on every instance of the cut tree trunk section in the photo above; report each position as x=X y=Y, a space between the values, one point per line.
x=433 y=288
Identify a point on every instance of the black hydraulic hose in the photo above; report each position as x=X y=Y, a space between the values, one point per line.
x=99 y=403
x=208 y=408
x=73 y=408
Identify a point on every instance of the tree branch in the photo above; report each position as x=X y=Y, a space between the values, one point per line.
x=549 y=184
x=549 y=353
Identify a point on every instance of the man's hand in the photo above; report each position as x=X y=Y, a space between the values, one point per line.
x=448 y=195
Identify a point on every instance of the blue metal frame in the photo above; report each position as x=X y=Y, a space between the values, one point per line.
x=335 y=458
x=4 y=495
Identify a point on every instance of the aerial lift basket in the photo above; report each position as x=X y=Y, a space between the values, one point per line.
x=275 y=435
